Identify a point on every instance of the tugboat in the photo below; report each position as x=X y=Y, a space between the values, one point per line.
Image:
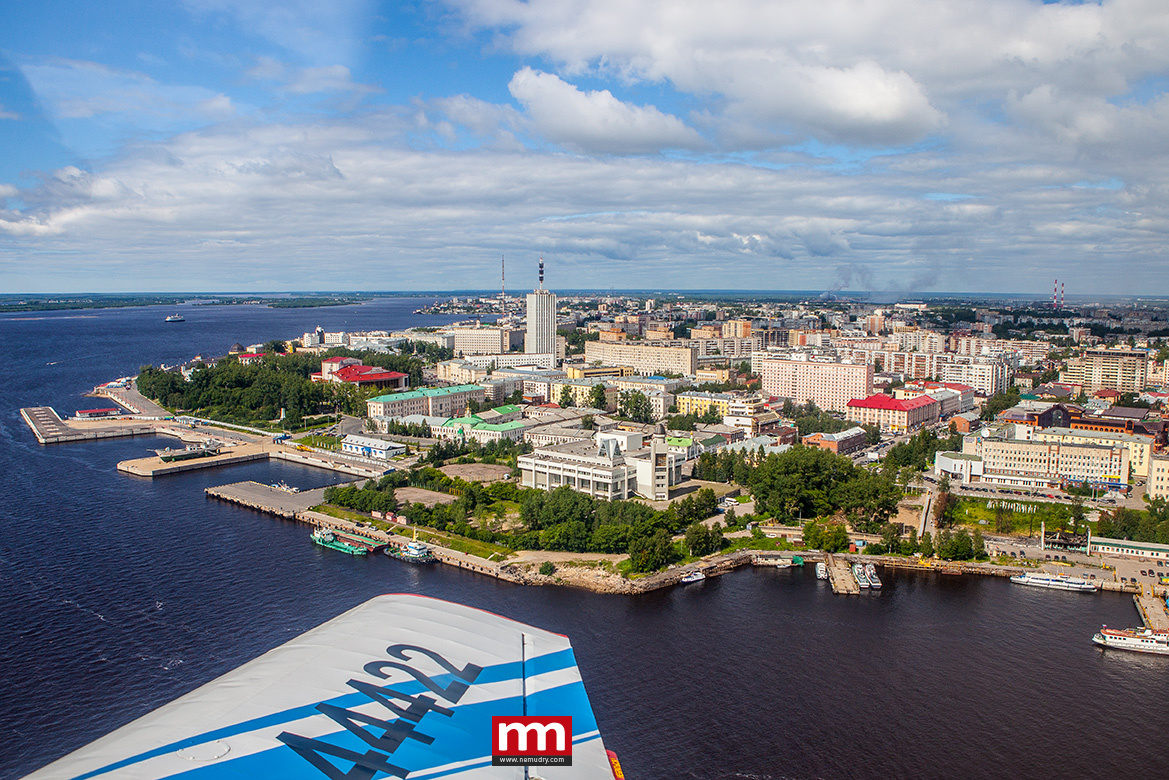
x=176 y=318
x=326 y=538
x=414 y=551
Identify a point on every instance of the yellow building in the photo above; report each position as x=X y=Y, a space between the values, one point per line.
x=1140 y=448
x=699 y=403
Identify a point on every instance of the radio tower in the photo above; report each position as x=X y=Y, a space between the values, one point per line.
x=502 y=278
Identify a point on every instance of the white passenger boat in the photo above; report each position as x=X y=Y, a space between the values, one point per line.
x=694 y=576
x=858 y=573
x=871 y=573
x=1055 y=581
x=821 y=571
x=1140 y=640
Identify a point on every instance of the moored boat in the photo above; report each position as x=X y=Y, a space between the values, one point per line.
x=694 y=576
x=871 y=573
x=190 y=452
x=821 y=570
x=326 y=538
x=1055 y=581
x=1139 y=640
x=414 y=552
x=859 y=575
x=176 y=318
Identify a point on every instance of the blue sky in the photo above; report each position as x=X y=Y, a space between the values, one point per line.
x=982 y=145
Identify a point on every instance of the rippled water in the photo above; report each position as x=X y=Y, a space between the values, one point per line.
x=119 y=594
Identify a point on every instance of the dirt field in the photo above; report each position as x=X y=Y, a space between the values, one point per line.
x=476 y=472
x=415 y=495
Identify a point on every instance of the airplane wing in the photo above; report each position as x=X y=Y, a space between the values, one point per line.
x=401 y=686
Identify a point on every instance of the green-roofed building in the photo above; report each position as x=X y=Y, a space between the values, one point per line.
x=430 y=401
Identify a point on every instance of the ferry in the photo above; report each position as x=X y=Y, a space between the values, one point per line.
x=414 y=552
x=1056 y=581
x=315 y=706
x=694 y=576
x=1140 y=640
x=176 y=318
x=821 y=571
x=326 y=538
x=871 y=573
x=858 y=573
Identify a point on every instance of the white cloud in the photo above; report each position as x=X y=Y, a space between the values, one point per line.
x=307 y=81
x=6 y=114
x=595 y=121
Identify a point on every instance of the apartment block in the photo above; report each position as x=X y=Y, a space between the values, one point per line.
x=645 y=359
x=1044 y=464
x=1108 y=369
x=431 y=402
x=893 y=415
x=830 y=384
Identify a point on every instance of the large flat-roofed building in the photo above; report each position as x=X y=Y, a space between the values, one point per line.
x=585 y=371
x=603 y=469
x=482 y=341
x=581 y=392
x=1108 y=369
x=694 y=402
x=893 y=415
x=474 y=428
x=1043 y=464
x=431 y=401
x=644 y=359
x=460 y=372
x=369 y=447
x=830 y=384
x=1140 y=448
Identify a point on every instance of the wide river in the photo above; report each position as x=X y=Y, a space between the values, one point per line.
x=119 y=594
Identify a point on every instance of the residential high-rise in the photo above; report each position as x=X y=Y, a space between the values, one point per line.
x=541 y=319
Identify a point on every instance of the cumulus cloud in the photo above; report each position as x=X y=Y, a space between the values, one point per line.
x=595 y=121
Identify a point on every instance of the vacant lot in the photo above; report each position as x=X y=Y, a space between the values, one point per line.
x=477 y=472
x=413 y=495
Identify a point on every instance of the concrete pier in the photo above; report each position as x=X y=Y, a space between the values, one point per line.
x=1153 y=612
x=265 y=498
x=155 y=466
x=50 y=428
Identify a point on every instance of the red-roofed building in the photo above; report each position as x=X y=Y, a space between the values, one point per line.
x=370 y=376
x=894 y=415
x=247 y=358
x=90 y=414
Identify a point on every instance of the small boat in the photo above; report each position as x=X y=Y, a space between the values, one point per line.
x=190 y=452
x=859 y=575
x=176 y=318
x=1055 y=581
x=326 y=538
x=1139 y=640
x=871 y=573
x=694 y=576
x=821 y=571
x=414 y=551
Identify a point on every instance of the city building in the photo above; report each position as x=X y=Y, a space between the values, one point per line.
x=585 y=371
x=475 y=428
x=581 y=393
x=1140 y=448
x=1158 y=483
x=893 y=415
x=484 y=341
x=603 y=468
x=1125 y=370
x=828 y=383
x=460 y=372
x=842 y=443
x=644 y=359
x=541 y=322
x=694 y=402
x=1046 y=464
x=430 y=401
x=369 y=447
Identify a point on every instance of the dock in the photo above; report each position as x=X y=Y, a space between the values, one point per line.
x=840 y=576
x=155 y=466
x=50 y=428
x=268 y=499
x=1153 y=612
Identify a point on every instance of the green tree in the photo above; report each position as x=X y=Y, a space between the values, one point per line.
x=547 y=568
x=597 y=399
x=927 y=545
x=635 y=406
x=566 y=399
x=649 y=553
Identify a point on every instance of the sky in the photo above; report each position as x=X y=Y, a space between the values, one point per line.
x=895 y=146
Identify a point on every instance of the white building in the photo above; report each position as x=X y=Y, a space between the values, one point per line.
x=369 y=447
x=541 y=323
x=602 y=469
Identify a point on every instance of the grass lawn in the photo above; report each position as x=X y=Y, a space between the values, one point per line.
x=1026 y=516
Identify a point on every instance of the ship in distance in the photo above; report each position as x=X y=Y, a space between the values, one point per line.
x=400 y=686
x=1055 y=581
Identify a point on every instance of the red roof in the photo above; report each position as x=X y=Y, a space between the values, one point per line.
x=882 y=401
x=336 y=359
x=359 y=374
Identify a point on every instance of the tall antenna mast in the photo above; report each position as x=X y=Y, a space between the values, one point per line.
x=541 y=273
x=502 y=280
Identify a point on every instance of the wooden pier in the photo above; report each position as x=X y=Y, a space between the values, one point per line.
x=840 y=577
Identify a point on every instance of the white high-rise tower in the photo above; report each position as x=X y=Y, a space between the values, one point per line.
x=541 y=316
